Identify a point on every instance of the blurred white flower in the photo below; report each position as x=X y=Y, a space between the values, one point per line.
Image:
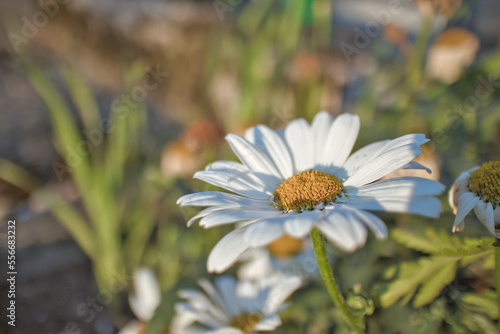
x=234 y=307
x=143 y=301
x=293 y=257
x=303 y=177
x=478 y=189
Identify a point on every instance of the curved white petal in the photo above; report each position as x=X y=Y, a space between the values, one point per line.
x=344 y=229
x=269 y=323
x=374 y=223
x=147 y=294
x=212 y=293
x=426 y=206
x=201 y=303
x=197 y=315
x=466 y=202
x=298 y=225
x=228 y=250
x=383 y=164
x=252 y=157
x=239 y=184
x=205 y=212
x=340 y=140
x=403 y=186
x=278 y=293
x=270 y=142
x=228 y=216
x=484 y=212
x=264 y=231
x=225 y=330
x=319 y=130
x=299 y=140
x=358 y=158
x=133 y=327
x=226 y=285
x=210 y=198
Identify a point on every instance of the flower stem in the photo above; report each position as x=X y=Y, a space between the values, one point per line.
x=497 y=272
x=329 y=279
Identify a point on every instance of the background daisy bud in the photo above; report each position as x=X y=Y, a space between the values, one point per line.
x=451 y=53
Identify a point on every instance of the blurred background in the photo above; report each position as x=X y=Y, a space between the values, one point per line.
x=107 y=108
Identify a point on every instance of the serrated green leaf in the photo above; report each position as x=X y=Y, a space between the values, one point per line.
x=433 y=242
x=432 y=287
x=416 y=242
x=411 y=275
x=485 y=303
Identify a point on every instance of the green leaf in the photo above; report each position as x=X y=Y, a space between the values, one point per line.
x=432 y=287
x=480 y=303
x=412 y=275
x=74 y=222
x=433 y=242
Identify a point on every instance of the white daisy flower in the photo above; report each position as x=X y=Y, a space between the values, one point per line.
x=235 y=307
x=478 y=189
x=143 y=301
x=303 y=177
x=287 y=255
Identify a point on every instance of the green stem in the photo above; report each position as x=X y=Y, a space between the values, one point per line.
x=497 y=273
x=329 y=279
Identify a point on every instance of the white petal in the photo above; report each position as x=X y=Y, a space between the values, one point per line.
x=147 y=294
x=228 y=216
x=403 y=186
x=264 y=231
x=278 y=293
x=269 y=323
x=213 y=294
x=299 y=140
x=227 y=250
x=270 y=142
x=226 y=285
x=205 y=212
x=201 y=303
x=298 y=225
x=358 y=158
x=340 y=140
x=319 y=130
x=373 y=222
x=416 y=165
x=253 y=158
x=344 y=229
x=239 y=184
x=133 y=327
x=201 y=317
x=484 y=212
x=236 y=168
x=466 y=203
x=426 y=206
x=209 y=198
x=383 y=164
x=225 y=330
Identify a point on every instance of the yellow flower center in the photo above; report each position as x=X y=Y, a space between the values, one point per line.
x=307 y=189
x=285 y=247
x=246 y=321
x=485 y=182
